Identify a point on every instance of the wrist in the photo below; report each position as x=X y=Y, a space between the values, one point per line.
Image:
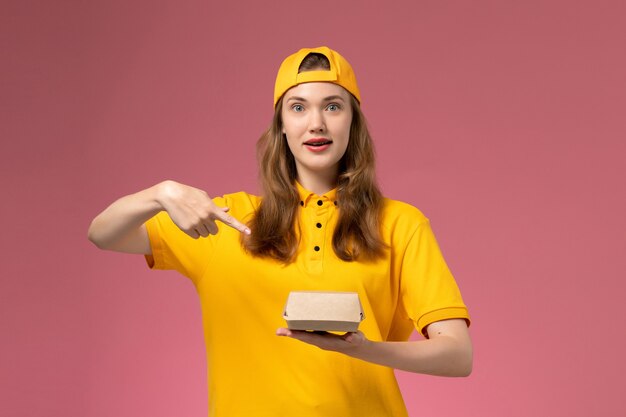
x=162 y=193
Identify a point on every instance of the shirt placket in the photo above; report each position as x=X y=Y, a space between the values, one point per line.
x=319 y=209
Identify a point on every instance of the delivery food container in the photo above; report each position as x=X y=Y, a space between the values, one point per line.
x=323 y=311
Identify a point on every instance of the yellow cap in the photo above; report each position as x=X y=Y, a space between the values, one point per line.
x=340 y=73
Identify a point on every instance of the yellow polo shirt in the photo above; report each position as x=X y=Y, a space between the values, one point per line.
x=253 y=372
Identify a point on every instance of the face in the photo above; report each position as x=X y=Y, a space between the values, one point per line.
x=316 y=120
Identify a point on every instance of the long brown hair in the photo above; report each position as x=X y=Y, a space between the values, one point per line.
x=357 y=234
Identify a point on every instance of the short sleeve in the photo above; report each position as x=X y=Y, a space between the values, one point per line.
x=174 y=249
x=429 y=292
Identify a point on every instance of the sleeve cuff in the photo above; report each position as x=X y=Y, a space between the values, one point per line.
x=441 y=314
x=156 y=260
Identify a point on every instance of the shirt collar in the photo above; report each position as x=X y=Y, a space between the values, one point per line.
x=307 y=197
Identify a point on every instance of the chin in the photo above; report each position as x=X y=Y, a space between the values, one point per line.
x=322 y=168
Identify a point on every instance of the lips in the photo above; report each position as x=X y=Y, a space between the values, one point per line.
x=318 y=142
x=317 y=145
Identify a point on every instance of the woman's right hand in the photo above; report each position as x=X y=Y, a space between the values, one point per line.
x=120 y=227
x=193 y=211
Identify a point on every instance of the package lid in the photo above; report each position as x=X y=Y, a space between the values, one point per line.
x=323 y=310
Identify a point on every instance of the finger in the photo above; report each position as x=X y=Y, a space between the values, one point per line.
x=349 y=337
x=300 y=335
x=283 y=332
x=315 y=337
x=192 y=232
x=211 y=227
x=203 y=230
x=232 y=222
x=295 y=334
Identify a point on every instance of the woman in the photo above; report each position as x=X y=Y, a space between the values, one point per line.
x=321 y=224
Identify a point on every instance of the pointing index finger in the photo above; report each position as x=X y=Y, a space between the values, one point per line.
x=229 y=220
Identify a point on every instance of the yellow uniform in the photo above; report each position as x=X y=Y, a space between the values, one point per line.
x=253 y=372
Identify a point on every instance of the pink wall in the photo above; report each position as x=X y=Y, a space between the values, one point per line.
x=502 y=120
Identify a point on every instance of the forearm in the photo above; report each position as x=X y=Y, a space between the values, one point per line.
x=124 y=218
x=443 y=356
x=448 y=352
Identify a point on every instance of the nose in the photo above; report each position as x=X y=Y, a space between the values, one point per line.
x=316 y=121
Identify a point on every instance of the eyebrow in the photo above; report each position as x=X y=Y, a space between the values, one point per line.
x=329 y=98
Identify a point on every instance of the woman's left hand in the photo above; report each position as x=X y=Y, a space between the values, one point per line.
x=327 y=341
x=447 y=351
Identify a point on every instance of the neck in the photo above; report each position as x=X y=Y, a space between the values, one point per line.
x=319 y=183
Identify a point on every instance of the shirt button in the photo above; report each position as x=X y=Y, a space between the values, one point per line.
x=320 y=202
x=319 y=225
x=317 y=248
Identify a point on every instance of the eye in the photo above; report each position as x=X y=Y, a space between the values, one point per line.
x=297 y=107
x=333 y=107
